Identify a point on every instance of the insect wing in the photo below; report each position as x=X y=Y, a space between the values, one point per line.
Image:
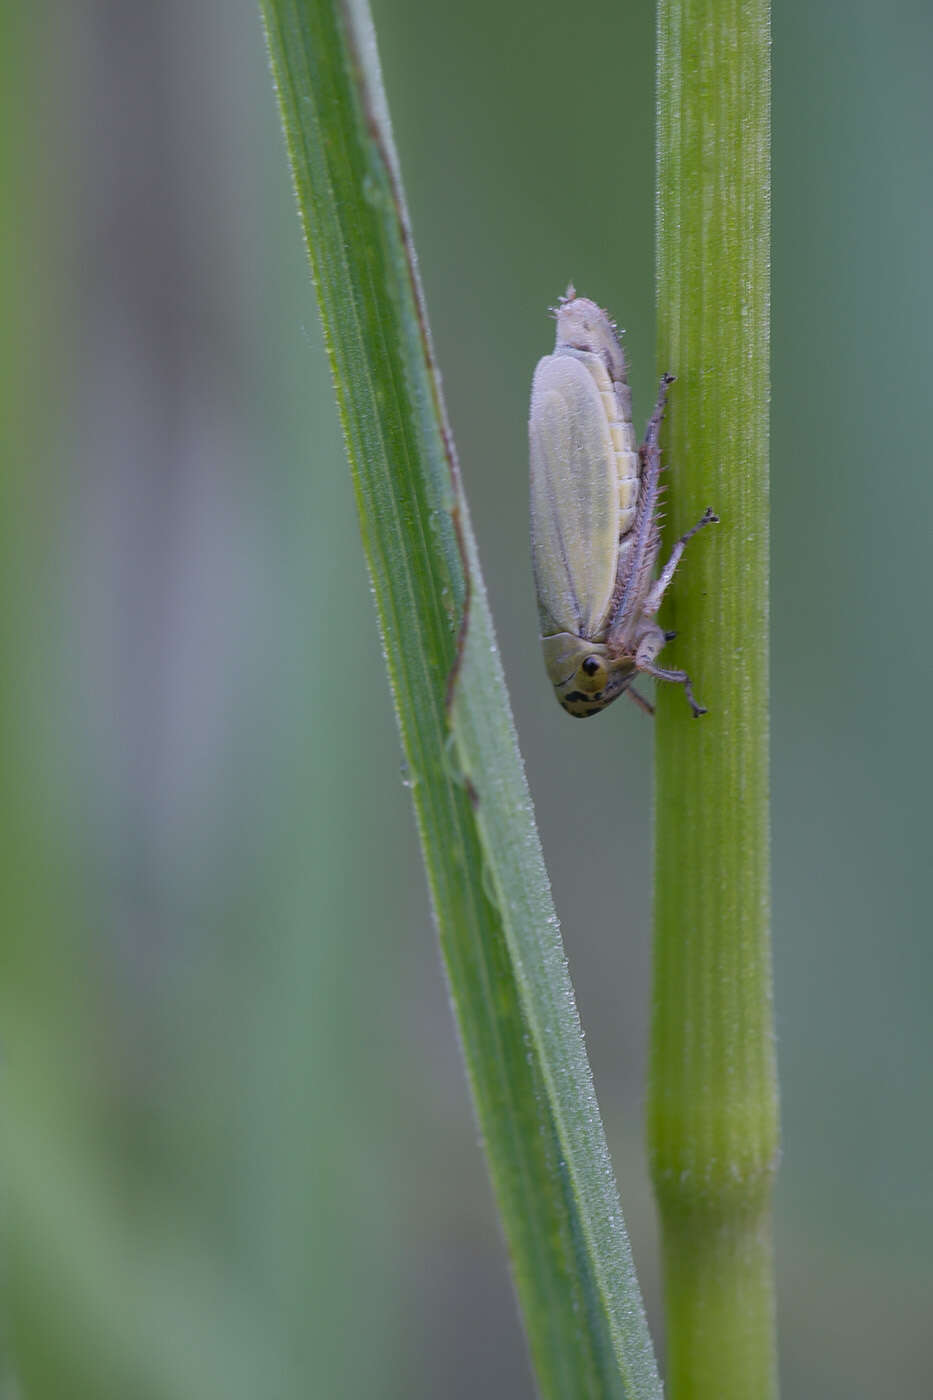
x=574 y=498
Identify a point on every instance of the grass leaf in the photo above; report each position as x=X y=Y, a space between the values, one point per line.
x=512 y=995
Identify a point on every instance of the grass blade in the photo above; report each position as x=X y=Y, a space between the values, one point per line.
x=521 y=1036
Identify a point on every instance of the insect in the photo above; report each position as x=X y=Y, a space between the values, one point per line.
x=594 y=518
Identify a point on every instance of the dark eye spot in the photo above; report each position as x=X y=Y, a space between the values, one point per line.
x=591 y=665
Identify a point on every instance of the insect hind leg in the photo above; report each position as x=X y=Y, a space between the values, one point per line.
x=662 y=582
x=654 y=422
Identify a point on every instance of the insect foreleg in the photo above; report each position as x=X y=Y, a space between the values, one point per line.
x=659 y=587
x=640 y=700
x=678 y=678
x=650 y=641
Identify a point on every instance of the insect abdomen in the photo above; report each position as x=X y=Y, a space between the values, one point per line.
x=617 y=402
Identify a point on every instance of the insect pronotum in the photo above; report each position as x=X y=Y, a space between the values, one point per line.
x=594 y=518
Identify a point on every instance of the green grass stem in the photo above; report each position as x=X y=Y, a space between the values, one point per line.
x=712 y=1111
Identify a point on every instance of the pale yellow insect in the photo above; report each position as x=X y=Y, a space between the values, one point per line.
x=594 y=518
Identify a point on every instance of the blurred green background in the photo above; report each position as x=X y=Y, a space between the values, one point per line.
x=239 y=1159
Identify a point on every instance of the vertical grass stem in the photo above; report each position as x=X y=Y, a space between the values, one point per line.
x=712 y=1112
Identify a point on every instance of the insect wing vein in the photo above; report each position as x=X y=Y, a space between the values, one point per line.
x=574 y=495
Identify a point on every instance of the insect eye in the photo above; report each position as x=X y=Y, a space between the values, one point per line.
x=592 y=674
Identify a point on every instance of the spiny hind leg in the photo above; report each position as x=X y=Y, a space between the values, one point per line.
x=662 y=582
x=654 y=422
x=639 y=550
x=650 y=641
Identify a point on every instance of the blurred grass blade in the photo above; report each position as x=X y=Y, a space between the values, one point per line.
x=712 y=1107
x=521 y=1036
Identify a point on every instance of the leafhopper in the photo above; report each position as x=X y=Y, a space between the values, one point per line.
x=594 y=518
